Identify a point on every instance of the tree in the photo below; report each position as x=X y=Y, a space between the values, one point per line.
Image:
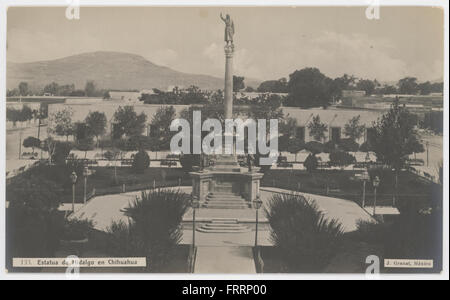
x=32 y=142
x=90 y=89
x=128 y=122
x=396 y=138
x=425 y=88
x=23 y=88
x=408 y=85
x=273 y=86
x=13 y=115
x=85 y=144
x=61 y=122
x=160 y=128
x=317 y=129
x=96 y=122
x=309 y=88
x=353 y=129
x=366 y=85
x=238 y=83
x=345 y=82
x=141 y=161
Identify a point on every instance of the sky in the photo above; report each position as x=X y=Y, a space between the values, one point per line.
x=270 y=43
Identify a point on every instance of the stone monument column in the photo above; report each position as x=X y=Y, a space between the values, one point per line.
x=228 y=89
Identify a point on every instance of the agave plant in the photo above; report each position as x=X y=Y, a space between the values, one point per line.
x=154 y=228
x=305 y=238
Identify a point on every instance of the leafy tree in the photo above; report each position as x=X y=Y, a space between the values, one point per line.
x=315 y=147
x=238 y=83
x=345 y=82
x=32 y=142
x=273 y=86
x=61 y=122
x=23 y=88
x=90 y=88
x=305 y=238
x=353 y=129
x=425 y=88
x=387 y=90
x=13 y=115
x=141 y=161
x=317 y=129
x=96 y=122
x=366 y=85
x=85 y=144
x=348 y=145
x=128 y=122
x=408 y=85
x=160 y=128
x=396 y=137
x=309 y=88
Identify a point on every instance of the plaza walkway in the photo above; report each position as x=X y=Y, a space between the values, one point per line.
x=224 y=260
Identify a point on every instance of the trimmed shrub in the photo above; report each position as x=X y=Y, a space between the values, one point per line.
x=141 y=161
x=32 y=142
x=330 y=146
x=188 y=161
x=311 y=163
x=305 y=239
x=340 y=158
x=348 y=145
x=365 y=147
x=314 y=147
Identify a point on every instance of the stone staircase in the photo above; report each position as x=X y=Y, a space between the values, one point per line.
x=225 y=200
x=223 y=225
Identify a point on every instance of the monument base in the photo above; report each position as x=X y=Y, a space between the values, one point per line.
x=225 y=185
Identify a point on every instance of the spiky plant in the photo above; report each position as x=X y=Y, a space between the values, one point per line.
x=305 y=238
x=155 y=227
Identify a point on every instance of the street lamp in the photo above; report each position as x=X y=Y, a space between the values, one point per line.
x=73 y=177
x=85 y=175
x=376 y=183
x=257 y=205
x=194 y=204
x=364 y=177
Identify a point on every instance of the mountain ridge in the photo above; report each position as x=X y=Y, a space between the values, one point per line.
x=108 y=69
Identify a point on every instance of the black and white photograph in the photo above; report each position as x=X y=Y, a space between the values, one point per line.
x=293 y=140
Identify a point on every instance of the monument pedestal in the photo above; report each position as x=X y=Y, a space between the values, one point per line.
x=245 y=185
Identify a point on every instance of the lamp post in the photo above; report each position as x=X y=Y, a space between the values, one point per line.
x=364 y=177
x=257 y=205
x=195 y=204
x=85 y=175
x=376 y=183
x=73 y=177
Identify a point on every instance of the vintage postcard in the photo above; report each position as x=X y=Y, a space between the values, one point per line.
x=225 y=140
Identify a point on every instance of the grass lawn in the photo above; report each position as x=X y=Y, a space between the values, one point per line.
x=342 y=184
x=104 y=182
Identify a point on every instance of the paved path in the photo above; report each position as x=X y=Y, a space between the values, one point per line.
x=347 y=212
x=224 y=260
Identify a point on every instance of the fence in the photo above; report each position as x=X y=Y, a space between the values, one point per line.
x=383 y=199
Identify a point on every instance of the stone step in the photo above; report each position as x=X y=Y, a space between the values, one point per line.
x=223 y=225
x=224 y=220
x=206 y=230
x=225 y=199
x=227 y=206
